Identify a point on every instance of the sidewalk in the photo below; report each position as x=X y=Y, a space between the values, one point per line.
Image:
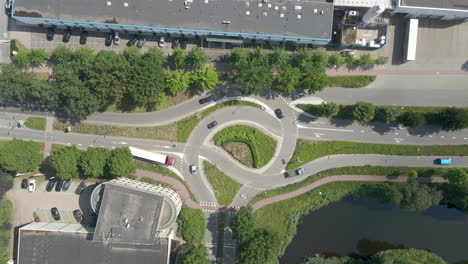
x=48 y=144
x=380 y=71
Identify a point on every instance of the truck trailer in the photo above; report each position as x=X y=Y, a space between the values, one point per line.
x=151 y=156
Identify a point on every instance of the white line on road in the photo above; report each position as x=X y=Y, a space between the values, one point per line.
x=330 y=129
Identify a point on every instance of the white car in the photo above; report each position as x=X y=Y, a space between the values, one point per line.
x=161 y=42
x=32 y=185
x=193 y=169
x=116 y=38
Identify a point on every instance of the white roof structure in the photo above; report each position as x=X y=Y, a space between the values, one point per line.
x=412 y=40
x=364 y=3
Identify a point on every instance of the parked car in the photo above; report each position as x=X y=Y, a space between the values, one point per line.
x=66 y=186
x=59 y=185
x=183 y=44
x=24 y=184
x=32 y=185
x=50 y=33
x=116 y=38
x=80 y=188
x=132 y=40
x=67 y=35
x=83 y=37
x=161 y=42
x=205 y=100
x=292 y=173
x=193 y=169
x=212 y=124
x=55 y=213
x=108 y=40
x=346 y=53
x=51 y=184
x=279 y=113
x=175 y=43
x=141 y=42
x=443 y=161
x=78 y=215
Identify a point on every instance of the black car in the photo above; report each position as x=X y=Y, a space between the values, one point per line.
x=66 y=186
x=212 y=124
x=59 y=185
x=175 y=43
x=24 y=184
x=205 y=100
x=132 y=41
x=141 y=42
x=109 y=38
x=67 y=35
x=83 y=37
x=78 y=215
x=55 y=213
x=279 y=113
x=183 y=44
x=80 y=188
x=50 y=33
x=51 y=184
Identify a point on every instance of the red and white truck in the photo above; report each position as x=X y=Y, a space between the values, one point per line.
x=151 y=156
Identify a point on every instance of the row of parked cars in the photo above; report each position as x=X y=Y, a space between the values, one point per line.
x=56 y=214
x=114 y=37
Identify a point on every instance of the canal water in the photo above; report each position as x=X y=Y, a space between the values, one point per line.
x=350 y=227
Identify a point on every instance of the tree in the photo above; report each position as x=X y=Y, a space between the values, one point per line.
x=363 y=112
x=350 y=60
x=177 y=81
x=65 y=162
x=61 y=55
x=386 y=114
x=453 y=119
x=306 y=59
x=37 y=56
x=260 y=248
x=335 y=60
x=381 y=60
x=20 y=156
x=194 y=255
x=412 y=119
x=191 y=225
x=178 y=59
x=315 y=80
x=419 y=197
x=456 y=176
x=93 y=162
x=253 y=78
x=22 y=58
x=243 y=224
x=365 y=60
x=238 y=58
x=279 y=58
x=155 y=56
x=413 y=174
x=205 y=79
x=329 y=109
x=6 y=209
x=196 y=59
x=288 y=79
x=121 y=163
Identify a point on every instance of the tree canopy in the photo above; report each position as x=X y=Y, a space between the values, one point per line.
x=93 y=162
x=363 y=111
x=456 y=176
x=194 y=255
x=191 y=225
x=65 y=162
x=288 y=79
x=121 y=163
x=20 y=156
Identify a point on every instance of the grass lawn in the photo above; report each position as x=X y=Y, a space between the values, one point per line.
x=177 y=131
x=362 y=170
x=37 y=123
x=350 y=81
x=241 y=152
x=307 y=150
x=171 y=101
x=224 y=187
x=262 y=146
x=163 y=171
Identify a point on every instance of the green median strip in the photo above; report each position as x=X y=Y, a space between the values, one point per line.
x=350 y=81
x=307 y=151
x=224 y=187
x=37 y=123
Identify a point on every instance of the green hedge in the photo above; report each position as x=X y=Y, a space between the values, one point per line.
x=262 y=146
x=350 y=81
x=191 y=225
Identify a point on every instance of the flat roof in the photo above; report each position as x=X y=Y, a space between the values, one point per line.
x=39 y=247
x=445 y=4
x=304 y=18
x=128 y=215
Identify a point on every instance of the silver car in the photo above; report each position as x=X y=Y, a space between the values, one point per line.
x=193 y=169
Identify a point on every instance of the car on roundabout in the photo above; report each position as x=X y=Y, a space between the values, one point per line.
x=193 y=169
x=212 y=124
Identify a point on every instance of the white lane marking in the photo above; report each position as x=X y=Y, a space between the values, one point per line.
x=430 y=135
x=465 y=138
x=362 y=131
x=318 y=134
x=454 y=137
x=442 y=136
x=330 y=129
x=398 y=140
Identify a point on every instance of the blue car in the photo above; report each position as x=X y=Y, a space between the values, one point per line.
x=444 y=161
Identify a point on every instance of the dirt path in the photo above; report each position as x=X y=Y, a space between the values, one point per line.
x=329 y=179
x=48 y=144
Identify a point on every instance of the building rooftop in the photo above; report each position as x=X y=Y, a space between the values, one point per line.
x=445 y=4
x=128 y=215
x=306 y=19
x=39 y=247
x=364 y=3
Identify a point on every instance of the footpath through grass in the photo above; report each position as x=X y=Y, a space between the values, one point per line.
x=37 y=123
x=178 y=131
x=350 y=81
x=307 y=151
x=262 y=146
x=224 y=187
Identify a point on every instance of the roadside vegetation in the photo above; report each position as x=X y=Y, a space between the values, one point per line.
x=448 y=118
x=262 y=146
x=20 y=156
x=178 y=131
x=350 y=81
x=37 y=123
x=308 y=150
x=225 y=188
x=191 y=228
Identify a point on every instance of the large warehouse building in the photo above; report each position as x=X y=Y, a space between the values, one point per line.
x=438 y=9
x=302 y=21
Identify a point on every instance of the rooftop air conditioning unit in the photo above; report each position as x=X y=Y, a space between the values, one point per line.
x=352 y=13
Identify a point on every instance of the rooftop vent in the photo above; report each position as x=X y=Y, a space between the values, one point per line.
x=126 y=4
x=284 y=8
x=226 y=22
x=265 y=14
x=276 y=7
x=260 y=4
x=298 y=8
x=247 y=13
x=299 y=16
x=281 y=15
x=108 y=3
x=247 y=4
x=269 y=5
